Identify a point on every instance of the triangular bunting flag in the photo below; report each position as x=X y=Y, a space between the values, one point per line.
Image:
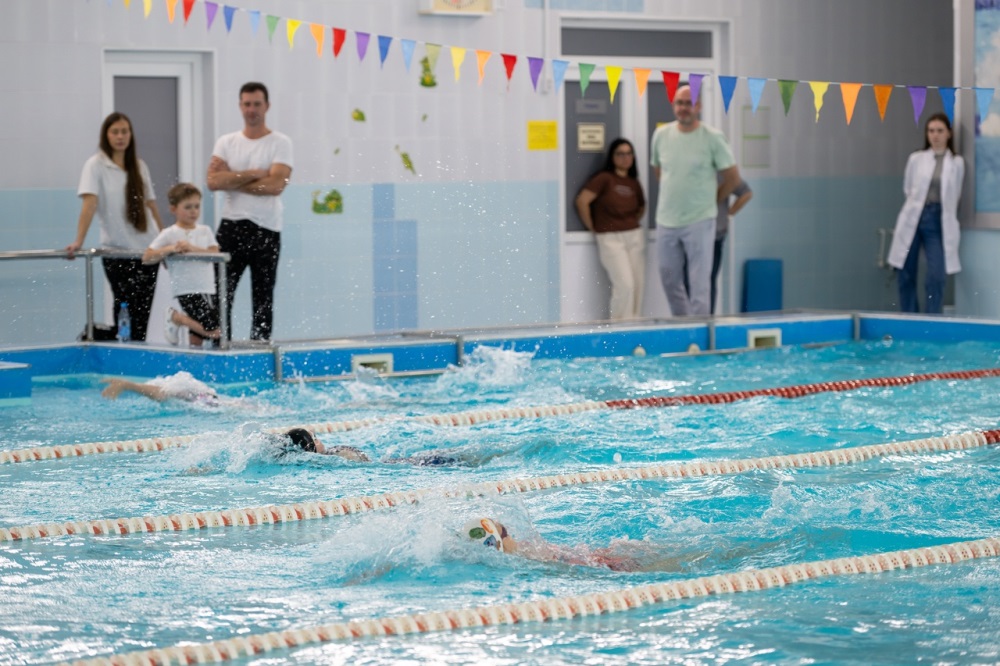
x=339 y=37
x=171 y=10
x=227 y=14
x=948 y=101
x=254 y=20
x=383 y=48
x=128 y=3
x=819 y=89
x=147 y=6
x=670 y=80
x=586 y=70
x=362 y=44
x=433 y=51
x=918 y=95
x=291 y=25
x=559 y=71
x=727 y=84
x=407 y=46
x=641 y=79
x=614 y=76
x=457 y=58
x=787 y=89
x=756 y=86
x=272 y=23
x=534 y=69
x=318 y=31
x=849 y=91
x=508 y=64
x=482 y=57
x=694 y=81
x=882 y=93
x=188 y=6
x=211 y=8
x=983 y=98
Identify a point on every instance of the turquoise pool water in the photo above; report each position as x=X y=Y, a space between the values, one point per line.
x=76 y=597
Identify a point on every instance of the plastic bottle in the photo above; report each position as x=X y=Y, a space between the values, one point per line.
x=124 y=324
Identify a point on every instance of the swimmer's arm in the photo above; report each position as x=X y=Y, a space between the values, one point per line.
x=116 y=387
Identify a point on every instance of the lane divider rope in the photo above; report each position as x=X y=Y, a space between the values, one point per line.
x=486 y=415
x=264 y=515
x=563 y=608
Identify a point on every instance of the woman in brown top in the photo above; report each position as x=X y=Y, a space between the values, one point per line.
x=611 y=205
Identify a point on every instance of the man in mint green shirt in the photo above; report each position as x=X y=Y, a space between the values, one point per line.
x=688 y=158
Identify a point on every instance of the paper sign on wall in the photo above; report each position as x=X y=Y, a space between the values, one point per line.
x=543 y=135
x=590 y=137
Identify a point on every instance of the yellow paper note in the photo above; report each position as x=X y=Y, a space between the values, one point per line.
x=543 y=135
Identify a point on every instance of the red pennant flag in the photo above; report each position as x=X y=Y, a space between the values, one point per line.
x=339 y=35
x=508 y=64
x=188 y=6
x=670 y=80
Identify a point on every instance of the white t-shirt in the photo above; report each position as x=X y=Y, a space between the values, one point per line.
x=191 y=276
x=241 y=154
x=102 y=177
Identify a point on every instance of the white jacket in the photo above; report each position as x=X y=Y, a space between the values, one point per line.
x=916 y=181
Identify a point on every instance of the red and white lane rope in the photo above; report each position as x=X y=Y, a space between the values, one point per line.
x=550 y=610
x=504 y=413
x=264 y=515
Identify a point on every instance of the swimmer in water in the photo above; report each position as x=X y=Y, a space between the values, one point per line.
x=304 y=440
x=179 y=386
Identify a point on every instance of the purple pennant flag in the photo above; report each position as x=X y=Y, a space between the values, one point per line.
x=559 y=71
x=694 y=82
x=948 y=101
x=918 y=95
x=407 y=46
x=227 y=13
x=362 y=44
x=983 y=98
x=383 y=48
x=535 y=68
x=756 y=87
x=210 y=10
x=727 y=84
x=254 y=20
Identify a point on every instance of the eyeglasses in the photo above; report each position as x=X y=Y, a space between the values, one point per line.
x=619 y=153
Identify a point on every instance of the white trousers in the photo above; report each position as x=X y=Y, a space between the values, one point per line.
x=623 y=255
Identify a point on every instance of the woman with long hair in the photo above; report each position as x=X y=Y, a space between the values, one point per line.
x=116 y=188
x=611 y=205
x=929 y=218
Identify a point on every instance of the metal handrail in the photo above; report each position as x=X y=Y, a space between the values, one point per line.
x=89 y=254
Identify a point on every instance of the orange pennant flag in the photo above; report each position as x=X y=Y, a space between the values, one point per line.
x=849 y=91
x=319 y=34
x=481 y=58
x=819 y=90
x=614 y=76
x=457 y=58
x=882 y=93
x=291 y=25
x=171 y=10
x=641 y=78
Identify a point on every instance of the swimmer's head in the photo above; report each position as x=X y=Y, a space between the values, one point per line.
x=302 y=439
x=486 y=531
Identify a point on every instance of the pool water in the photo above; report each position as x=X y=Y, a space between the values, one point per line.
x=76 y=597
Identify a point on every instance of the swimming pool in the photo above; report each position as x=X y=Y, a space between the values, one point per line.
x=75 y=597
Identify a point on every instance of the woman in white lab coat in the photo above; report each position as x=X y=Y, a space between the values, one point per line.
x=929 y=217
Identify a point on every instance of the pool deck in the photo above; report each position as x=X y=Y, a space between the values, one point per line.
x=430 y=352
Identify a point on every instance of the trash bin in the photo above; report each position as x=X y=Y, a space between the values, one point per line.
x=761 y=285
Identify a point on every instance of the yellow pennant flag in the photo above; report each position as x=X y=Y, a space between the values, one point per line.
x=457 y=58
x=641 y=78
x=147 y=6
x=849 y=91
x=171 y=10
x=614 y=76
x=319 y=35
x=291 y=25
x=128 y=3
x=819 y=90
x=481 y=58
x=882 y=98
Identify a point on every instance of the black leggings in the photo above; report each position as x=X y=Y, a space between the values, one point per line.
x=254 y=247
x=134 y=283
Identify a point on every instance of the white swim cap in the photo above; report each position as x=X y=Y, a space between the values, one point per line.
x=485 y=531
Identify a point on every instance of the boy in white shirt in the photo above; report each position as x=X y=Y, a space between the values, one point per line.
x=192 y=282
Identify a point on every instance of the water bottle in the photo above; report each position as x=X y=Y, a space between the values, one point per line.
x=124 y=324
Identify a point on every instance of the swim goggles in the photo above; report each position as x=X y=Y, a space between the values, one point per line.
x=487 y=532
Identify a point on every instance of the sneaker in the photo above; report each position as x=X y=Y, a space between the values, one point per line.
x=170 y=330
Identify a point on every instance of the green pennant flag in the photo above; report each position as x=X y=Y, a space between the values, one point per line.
x=585 y=72
x=787 y=89
x=272 y=23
